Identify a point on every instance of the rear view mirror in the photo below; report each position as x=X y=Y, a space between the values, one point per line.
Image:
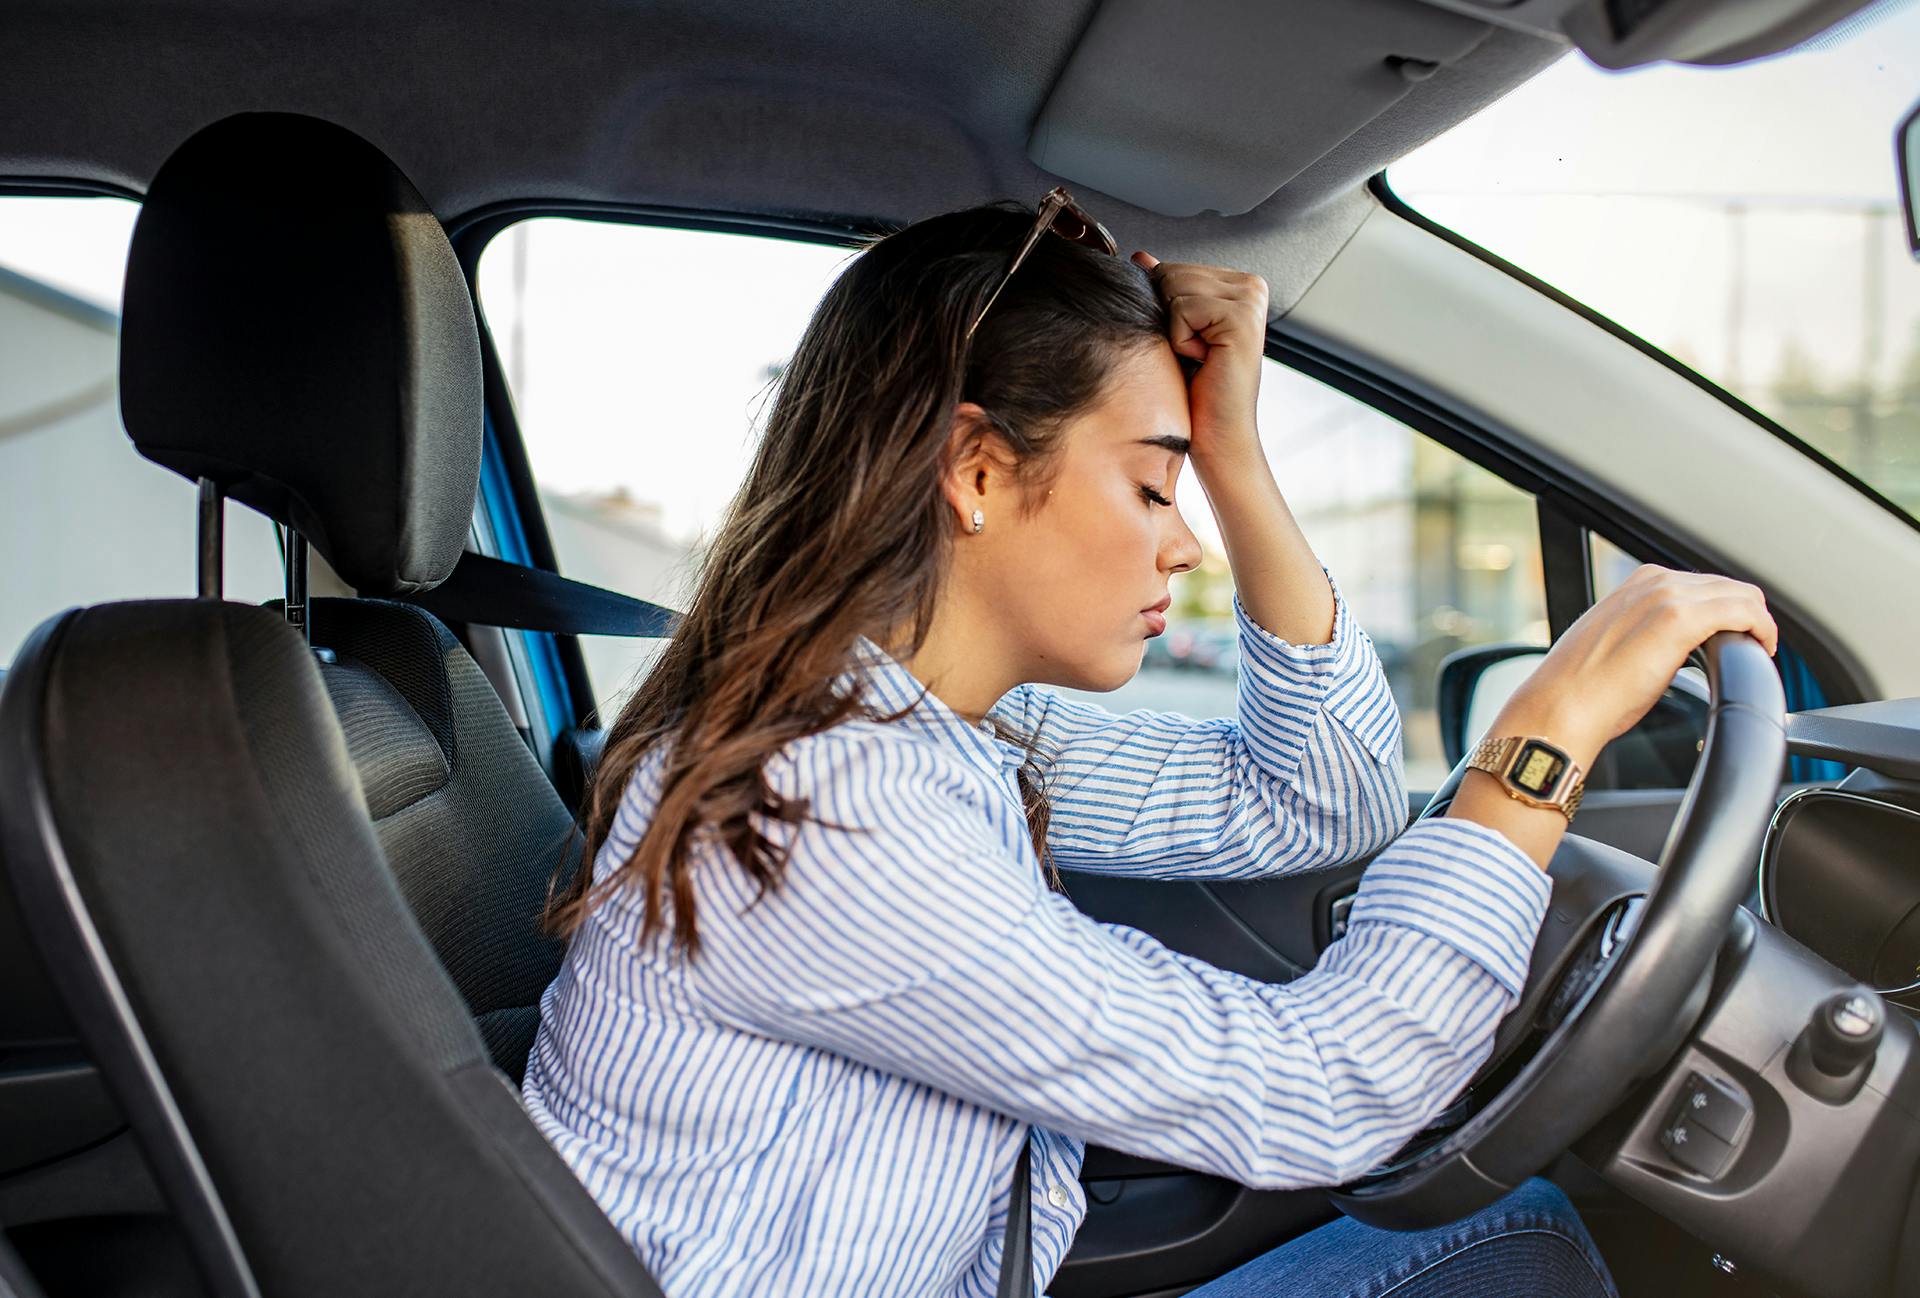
x=1707 y=33
x=1658 y=753
x=1906 y=153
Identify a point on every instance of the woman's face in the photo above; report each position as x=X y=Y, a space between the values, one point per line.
x=1072 y=586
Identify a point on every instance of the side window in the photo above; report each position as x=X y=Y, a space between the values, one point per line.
x=83 y=518
x=1611 y=565
x=639 y=413
x=639 y=421
x=1661 y=752
x=1432 y=553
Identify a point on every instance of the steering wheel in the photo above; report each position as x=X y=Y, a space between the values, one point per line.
x=1620 y=970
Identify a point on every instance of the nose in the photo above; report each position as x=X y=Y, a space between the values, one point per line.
x=1179 y=547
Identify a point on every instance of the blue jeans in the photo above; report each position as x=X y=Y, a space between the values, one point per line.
x=1528 y=1245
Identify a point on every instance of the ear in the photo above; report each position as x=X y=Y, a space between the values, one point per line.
x=980 y=466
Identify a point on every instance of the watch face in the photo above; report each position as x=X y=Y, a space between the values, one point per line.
x=1538 y=768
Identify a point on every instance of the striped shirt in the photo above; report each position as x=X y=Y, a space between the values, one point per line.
x=830 y=1099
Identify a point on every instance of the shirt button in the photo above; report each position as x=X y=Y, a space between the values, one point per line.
x=1057 y=1196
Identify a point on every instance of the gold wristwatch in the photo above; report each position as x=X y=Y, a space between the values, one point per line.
x=1532 y=771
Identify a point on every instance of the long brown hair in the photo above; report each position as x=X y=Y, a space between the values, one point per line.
x=841 y=528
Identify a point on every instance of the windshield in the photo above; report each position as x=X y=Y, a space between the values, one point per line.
x=1744 y=220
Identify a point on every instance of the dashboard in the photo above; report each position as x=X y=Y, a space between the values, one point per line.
x=1840 y=866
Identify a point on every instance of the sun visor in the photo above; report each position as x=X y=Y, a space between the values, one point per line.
x=1212 y=105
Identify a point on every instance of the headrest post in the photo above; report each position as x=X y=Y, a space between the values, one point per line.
x=297 y=584
x=213 y=548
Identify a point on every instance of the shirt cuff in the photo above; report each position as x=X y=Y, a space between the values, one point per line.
x=1465 y=884
x=1309 y=659
x=1343 y=676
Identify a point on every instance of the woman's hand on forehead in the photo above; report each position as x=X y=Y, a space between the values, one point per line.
x=1218 y=318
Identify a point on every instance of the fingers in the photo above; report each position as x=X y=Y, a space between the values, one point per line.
x=1198 y=322
x=1194 y=279
x=1699 y=604
x=1206 y=305
x=1739 y=610
x=1197 y=280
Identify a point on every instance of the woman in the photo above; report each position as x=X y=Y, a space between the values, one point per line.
x=821 y=993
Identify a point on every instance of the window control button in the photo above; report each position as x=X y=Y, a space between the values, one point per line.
x=1714 y=1107
x=1696 y=1149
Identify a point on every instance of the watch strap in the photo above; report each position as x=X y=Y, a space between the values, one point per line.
x=1496 y=757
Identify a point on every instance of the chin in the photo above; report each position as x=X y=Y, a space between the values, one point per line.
x=1109 y=672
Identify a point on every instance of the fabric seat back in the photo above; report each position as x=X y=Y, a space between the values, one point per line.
x=188 y=839
x=471 y=826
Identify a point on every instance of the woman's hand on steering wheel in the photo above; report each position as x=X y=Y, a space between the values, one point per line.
x=1613 y=664
x=1602 y=675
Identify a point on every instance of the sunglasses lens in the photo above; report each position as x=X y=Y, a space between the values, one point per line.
x=1082 y=229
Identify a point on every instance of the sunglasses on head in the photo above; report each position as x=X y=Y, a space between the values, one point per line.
x=1066 y=218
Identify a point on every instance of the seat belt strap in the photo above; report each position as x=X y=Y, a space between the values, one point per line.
x=1016 y=1253
x=493 y=592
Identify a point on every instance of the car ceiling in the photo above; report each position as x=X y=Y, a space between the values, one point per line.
x=1272 y=111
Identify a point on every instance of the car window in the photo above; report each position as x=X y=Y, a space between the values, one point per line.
x=639 y=420
x=1611 y=565
x=83 y=518
x=639 y=424
x=1745 y=220
x=1432 y=552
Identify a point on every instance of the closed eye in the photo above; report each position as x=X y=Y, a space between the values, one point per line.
x=1153 y=497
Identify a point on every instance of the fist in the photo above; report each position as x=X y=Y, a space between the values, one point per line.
x=1218 y=317
x=1616 y=661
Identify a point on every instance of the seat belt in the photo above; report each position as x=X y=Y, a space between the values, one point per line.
x=493 y=592
x=1016 y=1253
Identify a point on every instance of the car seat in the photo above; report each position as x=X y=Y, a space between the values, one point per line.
x=286 y=888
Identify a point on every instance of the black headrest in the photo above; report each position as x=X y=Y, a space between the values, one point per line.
x=297 y=328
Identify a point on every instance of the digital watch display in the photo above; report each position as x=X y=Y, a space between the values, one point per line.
x=1538 y=768
x=1532 y=771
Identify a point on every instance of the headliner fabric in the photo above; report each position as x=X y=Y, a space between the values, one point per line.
x=830 y=109
x=296 y=327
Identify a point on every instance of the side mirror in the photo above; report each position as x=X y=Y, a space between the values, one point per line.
x=1906 y=154
x=1658 y=753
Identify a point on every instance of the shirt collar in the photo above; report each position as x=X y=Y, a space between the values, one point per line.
x=891 y=688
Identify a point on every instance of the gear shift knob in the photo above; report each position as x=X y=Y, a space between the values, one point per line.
x=1835 y=1050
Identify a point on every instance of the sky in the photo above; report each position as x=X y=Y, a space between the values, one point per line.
x=641 y=356
x=1812 y=123
x=1639 y=192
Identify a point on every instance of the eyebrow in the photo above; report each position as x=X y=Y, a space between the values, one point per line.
x=1178 y=445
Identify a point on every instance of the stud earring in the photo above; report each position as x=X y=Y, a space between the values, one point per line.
x=979 y=522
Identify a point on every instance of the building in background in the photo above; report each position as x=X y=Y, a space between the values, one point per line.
x=62 y=450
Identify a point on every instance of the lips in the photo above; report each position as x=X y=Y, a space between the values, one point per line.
x=1156 y=616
